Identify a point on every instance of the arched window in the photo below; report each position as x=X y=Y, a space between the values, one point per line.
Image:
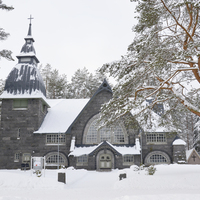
x=157 y=157
x=93 y=135
x=52 y=159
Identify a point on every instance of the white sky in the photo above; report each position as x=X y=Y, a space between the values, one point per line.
x=69 y=34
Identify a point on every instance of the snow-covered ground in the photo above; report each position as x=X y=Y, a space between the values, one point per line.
x=174 y=182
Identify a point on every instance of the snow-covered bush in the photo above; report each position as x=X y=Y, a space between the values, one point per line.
x=151 y=170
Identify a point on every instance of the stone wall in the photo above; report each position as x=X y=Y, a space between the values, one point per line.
x=179 y=155
x=17 y=127
x=163 y=147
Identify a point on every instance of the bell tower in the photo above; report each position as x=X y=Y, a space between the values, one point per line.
x=24 y=107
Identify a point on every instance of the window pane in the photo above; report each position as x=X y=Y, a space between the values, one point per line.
x=54 y=159
x=92 y=133
x=20 y=103
x=53 y=138
x=158 y=159
x=105 y=134
x=119 y=135
x=82 y=159
x=112 y=135
x=128 y=158
x=155 y=137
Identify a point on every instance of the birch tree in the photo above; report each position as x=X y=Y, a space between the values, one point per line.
x=163 y=61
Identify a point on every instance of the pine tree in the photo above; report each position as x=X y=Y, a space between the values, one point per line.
x=84 y=84
x=3 y=35
x=55 y=83
x=162 y=61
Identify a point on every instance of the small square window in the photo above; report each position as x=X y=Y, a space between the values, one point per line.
x=128 y=159
x=20 y=104
x=82 y=160
x=26 y=157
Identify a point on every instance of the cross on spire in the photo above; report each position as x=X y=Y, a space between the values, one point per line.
x=193 y=156
x=30 y=19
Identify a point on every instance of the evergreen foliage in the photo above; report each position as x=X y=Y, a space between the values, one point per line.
x=3 y=35
x=54 y=82
x=84 y=84
x=151 y=170
x=162 y=62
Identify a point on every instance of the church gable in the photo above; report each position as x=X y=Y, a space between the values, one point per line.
x=192 y=157
x=92 y=108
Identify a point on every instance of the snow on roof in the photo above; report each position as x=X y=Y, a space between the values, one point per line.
x=188 y=153
x=79 y=151
x=26 y=95
x=61 y=114
x=135 y=150
x=178 y=142
x=26 y=54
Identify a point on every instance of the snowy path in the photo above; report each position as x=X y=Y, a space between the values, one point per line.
x=174 y=182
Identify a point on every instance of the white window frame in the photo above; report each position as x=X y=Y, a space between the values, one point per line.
x=158 y=138
x=16 y=157
x=55 y=139
x=26 y=157
x=114 y=135
x=51 y=159
x=20 y=104
x=82 y=160
x=157 y=158
x=128 y=159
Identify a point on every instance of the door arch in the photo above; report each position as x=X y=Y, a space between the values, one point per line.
x=105 y=160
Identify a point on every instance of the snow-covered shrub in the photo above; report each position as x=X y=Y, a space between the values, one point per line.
x=137 y=168
x=151 y=170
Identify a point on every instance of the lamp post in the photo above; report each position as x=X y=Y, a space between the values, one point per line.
x=58 y=148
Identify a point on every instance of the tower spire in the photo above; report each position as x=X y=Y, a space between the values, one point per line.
x=29 y=30
x=28 y=54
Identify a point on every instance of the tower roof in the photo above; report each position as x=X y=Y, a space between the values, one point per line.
x=28 y=54
x=25 y=80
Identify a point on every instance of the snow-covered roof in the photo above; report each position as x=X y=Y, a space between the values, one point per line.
x=188 y=153
x=24 y=81
x=134 y=150
x=35 y=94
x=61 y=114
x=179 y=142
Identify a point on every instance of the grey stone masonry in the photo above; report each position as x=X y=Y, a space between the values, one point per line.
x=179 y=154
x=17 y=127
x=165 y=147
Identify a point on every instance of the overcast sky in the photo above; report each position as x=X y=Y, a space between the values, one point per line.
x=69 y=34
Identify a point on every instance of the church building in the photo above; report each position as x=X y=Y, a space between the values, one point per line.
x=65 y=131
